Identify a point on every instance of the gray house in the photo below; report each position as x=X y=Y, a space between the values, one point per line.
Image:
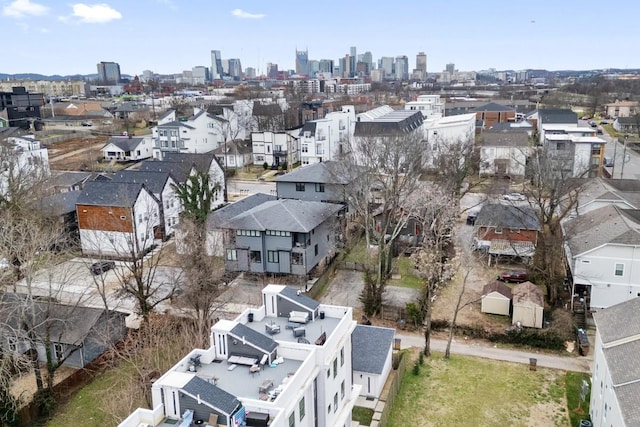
x=281 y=236
x=317 y=182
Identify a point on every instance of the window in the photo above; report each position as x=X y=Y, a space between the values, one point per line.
x=255 y=257
x=319 y=188
x=329 y=409
x=297 y=259
x=342 y=356
x=273 y=257
x=299 y=186
x=250 y=233
x=305 y=148
x=315 y=249
x=328 y=373
x=498 y=230
x=335 y=402
x=123 y=218
x=140 y=218
x=619 y=270
x=292 y=419
x=561 y=146
x=13 y=344
x=58 y=349
x=278 y=233
x=342 y=390
x=335 y=367
x=301 y=408
x=232 y=255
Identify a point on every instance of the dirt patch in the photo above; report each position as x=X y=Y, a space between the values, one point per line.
x=77 y=153
x=24 y=386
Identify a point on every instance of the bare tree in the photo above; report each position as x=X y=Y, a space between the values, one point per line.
x=457 y=164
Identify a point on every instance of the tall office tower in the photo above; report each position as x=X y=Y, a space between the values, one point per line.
x=402 y=67
x=200 y=75
x=216 y=65
x=353 y=58
x=326 y=66
x=421 y=65
x=302 y=62
x=313 y=66
x=342 y=66
x=450 y=68
x=235 y=69
x=272 y=71
x=367 y=58
x=109 y=72
x=387 y=64
x=347 y=71
x=250 y=72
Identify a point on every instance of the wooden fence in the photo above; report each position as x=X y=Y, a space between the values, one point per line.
x=391 y=388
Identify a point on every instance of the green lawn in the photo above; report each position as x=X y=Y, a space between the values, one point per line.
x=578 y=410
x=466 y=391
x=407 y=279
x=362 y=415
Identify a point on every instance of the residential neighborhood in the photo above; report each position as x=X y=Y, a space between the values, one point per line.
x=360 y=241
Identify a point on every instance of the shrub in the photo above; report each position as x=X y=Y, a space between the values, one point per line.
x=284 y=166
x=414 y=314
x=544 y=338
x=421 y=358
x=416 y=368
x=265 y=166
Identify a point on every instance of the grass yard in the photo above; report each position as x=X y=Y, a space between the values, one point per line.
x=578 y=410
x=466 y=391
x=407 y=279
x=362 y=415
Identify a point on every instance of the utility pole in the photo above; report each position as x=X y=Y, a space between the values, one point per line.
x=624 y=156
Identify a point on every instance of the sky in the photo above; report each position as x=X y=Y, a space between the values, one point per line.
x=169 y=36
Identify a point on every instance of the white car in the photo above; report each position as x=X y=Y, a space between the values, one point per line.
x=514 y=197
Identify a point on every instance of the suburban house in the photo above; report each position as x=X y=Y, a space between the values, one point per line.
x=528 y=305
x=576 y=149
x=601 y=249
x=615 y=379
x=627 y=124
x=162 y=186
x=372 y=350
x=276 y=148
x=118 y=219
x=318 y=182
x=621 y=109
x=327 y=138
x=492 y=113
x=75 y=335
x=25 y=159
x=61 y=208
x=127 y=148
x=505 y=149
x=496 y=299
x=199 y=133
x=183 y=165
x=285 y=363
x=234 y=154
x=67 y=181
x=281 y=236
x=429 y=105
x=507 y=230
x=551 y=116
x=599 y=192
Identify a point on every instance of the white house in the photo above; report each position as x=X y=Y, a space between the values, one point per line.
x=505 y=149
x=441 y=134
x=429 y=105
x=234 y=154
x=127 y=148
x=199 y=133
x=117 y=218
x=372 y=349
x=602 y=248
x=326 y=139
x=275 y=148
x=25 y=159
x=287 y=362
x=615 y=379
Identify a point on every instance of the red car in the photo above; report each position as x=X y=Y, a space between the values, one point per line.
x=514 y=276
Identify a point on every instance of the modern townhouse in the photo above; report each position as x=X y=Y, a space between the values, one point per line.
x=327 y=138
x=276 y=148
x=319 y=182
x=429 y=105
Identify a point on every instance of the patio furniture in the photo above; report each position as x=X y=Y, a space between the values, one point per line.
x=272 y=328
x=298 y=316
x=265 y=386
x=300 y=331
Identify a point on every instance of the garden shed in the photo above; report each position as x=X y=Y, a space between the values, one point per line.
x=528 y=305
x=496 y=299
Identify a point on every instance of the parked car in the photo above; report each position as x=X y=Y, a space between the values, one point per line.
x=593 y=124
x=87 y=124
x=471 y=218
x=513 y=276
x=514 y=197
x=102 y=267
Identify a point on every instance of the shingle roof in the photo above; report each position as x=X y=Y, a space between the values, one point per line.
x=527 y=292
x=498 y=287
x=629 y=399
x=211 y=394
x=166 y=114
x=323 y=172
x=308 y=127
x=492 y=106
x=505 y=138
x=154 y=181
x=284 y=215
x=631 y=185
x=220 y=216
x=255 y=338
x=108 y=193
x=67 y=179
x=627 y=121
x=369 y=347
x=619 y=321
x=623 y=361
x=60 y=203
x=180 y=164
x=302 y=300
x=175 y=123
x=508 y=216
x=124 y=143
x=557 y=115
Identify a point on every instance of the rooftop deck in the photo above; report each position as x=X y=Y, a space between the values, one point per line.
x=312 y=329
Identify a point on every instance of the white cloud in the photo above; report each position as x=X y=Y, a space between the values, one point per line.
x=95 y=14
x=239 y=13
x=21 y=8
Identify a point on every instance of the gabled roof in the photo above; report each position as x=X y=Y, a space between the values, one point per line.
x=220 y=216
x=369 y=348
x=60 y=203
x=498 y=287
x=619 y=321
x=300 y=299
x=175 y=123
x=166 y=114
x=260 y=109
x=557 y=115
x=527 y=292
x=308 y=127
x=632 y=121
x=109 y=193
x=254 y=338
x=154 y=181
x=491 y=138
x=608 y=224
x=508 y=216
x=124 y=143
x=492 y=106
x=394 y=123
x=323 y=172
x=211 y=394
x=284 y=215
x=180 y=164
x=68 y=179
x=234 y=147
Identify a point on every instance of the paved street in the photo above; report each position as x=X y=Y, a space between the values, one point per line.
x=616 y=150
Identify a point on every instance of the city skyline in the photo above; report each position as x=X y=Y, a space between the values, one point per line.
x=65 y=39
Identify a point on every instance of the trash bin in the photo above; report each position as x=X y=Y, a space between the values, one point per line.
x=533 y=364
x=322 y=315
x=586 y=423
x=396 y=343
x=250 y=317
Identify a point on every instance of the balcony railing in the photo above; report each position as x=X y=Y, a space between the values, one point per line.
x=321 y=138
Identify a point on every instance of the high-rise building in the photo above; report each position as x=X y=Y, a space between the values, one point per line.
x=272 y=71
x=302 y=62
x=367 y=58
x=250 y=73
x=326 y=66
x=313 y=66
x=216 y=65
x=235 y=69
x=109 y=72
x=402 y=67
x=387 y=64
x=347 y=71
x=450 y=68
x=421 y=65
x=353 y=58
x=200 y=75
